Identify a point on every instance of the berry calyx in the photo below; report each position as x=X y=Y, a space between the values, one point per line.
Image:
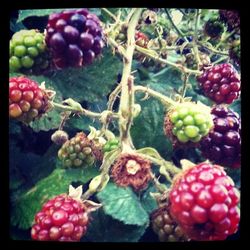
x=204 y=202
x=221 y=83
x=62 y=218
x=74 y=38
x=131 y=170
x=223 y=144
x=27 y=100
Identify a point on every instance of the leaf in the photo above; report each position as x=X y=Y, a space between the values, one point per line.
x=149 y=151
x=122 y=204
x=23 y=14
x=27 y=205
x=103 y=228
x=89 y=83
x=147 y=201
x=147 y=130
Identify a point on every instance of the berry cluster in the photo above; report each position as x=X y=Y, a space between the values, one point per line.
x=141 y=39
x=221 y=83
x=180 y=42
x=74 y=38
x=204 y=202
x=165 y=227
x=27 y=100
x=28 y=52
x=231 y=18
x=111 y=145
x=214 y=28
x=223 y=143
x=61 y=219
x=192 y=63
x=79 y=151
x=188 y=122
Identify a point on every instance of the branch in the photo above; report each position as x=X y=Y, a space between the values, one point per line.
x=156 y=58
x=195 y=47
x=127 y=95
x=164 y=99
x=109 y=13
x=225 y=53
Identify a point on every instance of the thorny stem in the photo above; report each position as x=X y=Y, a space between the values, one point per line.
x=175 y=27
x=212 y=49
x=185 y=84
x=164 y=99
x=118 y=47
x=220 y=59
x=109 y=13
x=65 y=117
x=80 y=110
x=127 y=84
x=156 y=58
x=169 y=166
x=196 y=52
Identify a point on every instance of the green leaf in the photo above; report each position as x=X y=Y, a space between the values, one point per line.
x=147 y=201
x=89 y=83
x=147 y=130
x=26 y=206
x=122 y=204
x=23 y=14
x=104 y=228
x=149 y=151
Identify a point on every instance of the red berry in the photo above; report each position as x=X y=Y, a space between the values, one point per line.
x=221 y=83
x=207 y=209
x=27 y=100
x=61 y=219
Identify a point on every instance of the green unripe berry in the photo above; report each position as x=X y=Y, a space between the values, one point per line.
x=32 y=51
x=27 y=62
x=17 y=40
x=174 y=131
x=81 y=156
x=174 y=117
x=77 y=162
x=29 y=41
x=19 y=50
x=199 y=119
x=106 y=148
x=70 y=149
x=191 y=131
x=183 y=112
x=114 y=142
x=90 y=160
x=179 y=124
x=39 y=38
x=14 y=63
x=77 y=148
x=196 y=139
x=181 y=136
x=41 y=47
x=188 y=120
x=73 y=156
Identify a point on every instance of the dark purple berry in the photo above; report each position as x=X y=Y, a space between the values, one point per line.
x=71 y=34
x=88 y=56
x=57 y=42
x=86 y=41
x=78 y=21
x=98 y=45
x=74 y=55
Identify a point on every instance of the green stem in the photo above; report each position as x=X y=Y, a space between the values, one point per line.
x=220 y=59
x=225 y=53
x=156 y=58
x=109 y=13
x=184 y=87
x=195 y=47
x=127 y=93
x=79 y=110
x=164 y=99
x=174 y=26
